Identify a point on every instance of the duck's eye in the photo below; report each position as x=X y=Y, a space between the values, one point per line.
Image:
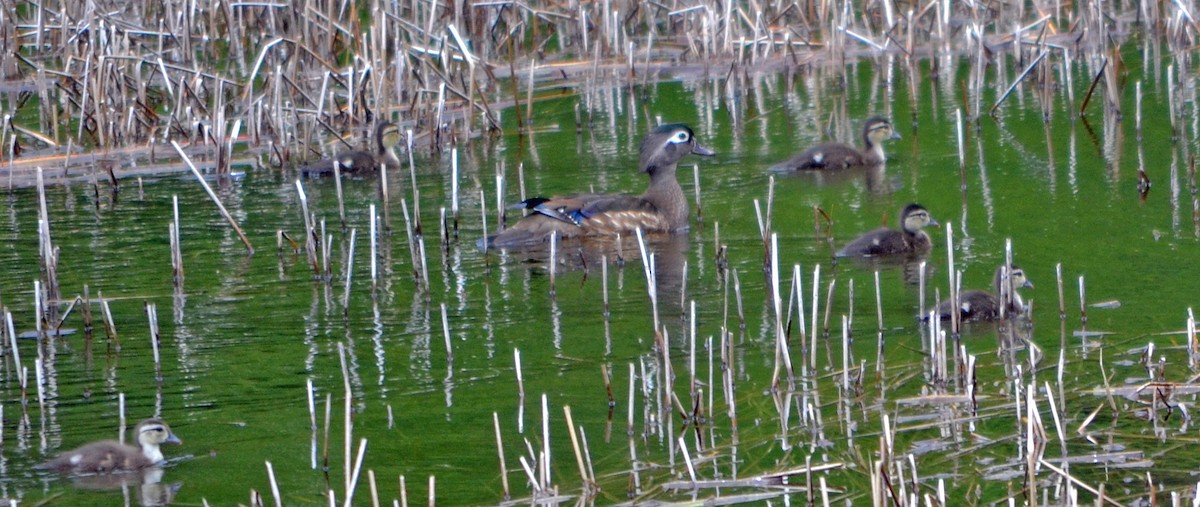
x=681 y=137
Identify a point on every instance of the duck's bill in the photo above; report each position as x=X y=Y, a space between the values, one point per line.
x=702 y=151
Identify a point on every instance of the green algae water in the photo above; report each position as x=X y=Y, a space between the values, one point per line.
x=246 y=335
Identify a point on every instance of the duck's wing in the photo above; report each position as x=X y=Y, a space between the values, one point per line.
x=577 y=209
x=577 y=215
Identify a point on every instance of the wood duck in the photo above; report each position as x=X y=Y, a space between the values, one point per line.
x=107 y=456
x=661 y=208
x=982 y=306
x=387 y=137
x=840 y=156
x=909 y=240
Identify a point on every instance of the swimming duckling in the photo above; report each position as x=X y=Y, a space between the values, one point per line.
x=982 y=306
x=909 y=240
x=387 y=137
x=108 y=456
x=661 y=208
x=840 y=155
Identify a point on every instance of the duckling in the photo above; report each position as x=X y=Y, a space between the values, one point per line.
x=909 y=240
x=387 y=137
x=661 y=208
x=840 y=156
x=107 y=456
x=982 y=306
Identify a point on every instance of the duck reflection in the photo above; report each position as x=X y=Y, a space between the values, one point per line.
x=874 y=178
x=146 y=484
x=588 y=253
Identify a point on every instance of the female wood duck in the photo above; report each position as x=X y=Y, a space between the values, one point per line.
x=108 y=456
x=909 y=240
x=840 y=156
x=982 y=306
x=387 y=137
x=661 y=208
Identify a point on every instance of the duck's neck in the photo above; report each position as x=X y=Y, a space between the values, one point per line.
x=918 y=238
x=388 y=155
x=152 y=452
x=666 y=195
x=874 y=152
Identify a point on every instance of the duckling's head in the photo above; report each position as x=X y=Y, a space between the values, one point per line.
x=152 y=433
x=387 y=137
x=877 y=130
x=1016 y=275
x=915 y=217
x=664 y=146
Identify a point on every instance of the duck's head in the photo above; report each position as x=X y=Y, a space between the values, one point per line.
x=1016 y=275
x=915 y=217
x=877 y=130
x=152 y=433
x=665 y=145
x=387 y=137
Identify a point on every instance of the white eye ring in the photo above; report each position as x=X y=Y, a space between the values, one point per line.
x=681 y=137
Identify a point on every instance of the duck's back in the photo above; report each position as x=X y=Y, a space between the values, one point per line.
x=881 y=241
x=353 y=162
x=99 y=457
x=826 y=156
x=974 y=306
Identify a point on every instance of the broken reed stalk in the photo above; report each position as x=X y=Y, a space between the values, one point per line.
x=553 y=261
x=604 y=284
x=353 y=484
x=312 y=421
x=16 y=352
x=696 y=188
x=520 y=391
x=311 y=239
x=413 y=251
x=173 y=236
x=575 y=446
x=737 y=295
x=878 y=303
x=274 y=485
x=213 y=195
x=950 y=271
x=816 y=302
x=446 y=335
x=121 y=417
x=1082 y=303
x=1018 y=80
x=110 y=326
x=454 y=188
x=349 y=271
x=374 y=487
x=152 y=317
x=962 y=152
x=1062 y=302
x=374 y=237
x=39 y=375
x=500 y=452
x=544 y=466
x=47 y=252
x=483 y=219
x=348 y=428
x=1092 y=88
x=651 y=283
x=337 y=185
